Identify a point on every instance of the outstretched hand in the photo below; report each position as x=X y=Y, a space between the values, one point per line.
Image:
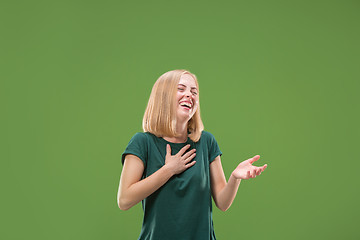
x=246 y=170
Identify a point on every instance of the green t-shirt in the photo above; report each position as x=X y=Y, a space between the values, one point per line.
x=182 y=207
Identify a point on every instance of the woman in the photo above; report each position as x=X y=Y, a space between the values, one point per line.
x=174 y=166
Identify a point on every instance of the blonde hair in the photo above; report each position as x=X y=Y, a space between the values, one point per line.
x=160 y=115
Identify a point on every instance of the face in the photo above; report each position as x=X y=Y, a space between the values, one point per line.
x=187 y=98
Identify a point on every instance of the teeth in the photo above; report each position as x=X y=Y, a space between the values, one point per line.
x=186 y=104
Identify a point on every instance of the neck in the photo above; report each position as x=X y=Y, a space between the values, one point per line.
x=181 y=129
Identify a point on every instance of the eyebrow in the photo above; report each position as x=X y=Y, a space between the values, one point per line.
x=186 y=86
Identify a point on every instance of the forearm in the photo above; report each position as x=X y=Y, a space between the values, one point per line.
x=227 y=195
x=142 y=189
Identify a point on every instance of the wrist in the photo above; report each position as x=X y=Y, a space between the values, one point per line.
x=233 y=177
x=168 y=170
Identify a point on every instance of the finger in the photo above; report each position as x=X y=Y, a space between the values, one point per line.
x=168 y=150
x=181 y=152
x=258 y=171
x=255 y=172
x=255 y=158
x=264 y=167
x=248 y=175
x=190 y=158
x=186 y=155
x=190 y=164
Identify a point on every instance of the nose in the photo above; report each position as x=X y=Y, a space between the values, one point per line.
x=188 y=93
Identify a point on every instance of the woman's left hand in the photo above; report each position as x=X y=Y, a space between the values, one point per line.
x=246 y=170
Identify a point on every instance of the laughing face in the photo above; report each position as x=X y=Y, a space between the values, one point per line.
x=187 y=98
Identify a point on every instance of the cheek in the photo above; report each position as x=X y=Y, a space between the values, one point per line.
x=196 y=100
x=178 y=97
x=196 y=105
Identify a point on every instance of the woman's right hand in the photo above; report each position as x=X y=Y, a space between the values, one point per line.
x=179 y=162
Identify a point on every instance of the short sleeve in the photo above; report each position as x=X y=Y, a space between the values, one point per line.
x=213 y=147
x=137 y=146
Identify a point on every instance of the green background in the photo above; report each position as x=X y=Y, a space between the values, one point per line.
x=277 y=78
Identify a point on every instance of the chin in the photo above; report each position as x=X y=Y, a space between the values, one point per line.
x=184 y=117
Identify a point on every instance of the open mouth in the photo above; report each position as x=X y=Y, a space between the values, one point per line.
x=186 y=105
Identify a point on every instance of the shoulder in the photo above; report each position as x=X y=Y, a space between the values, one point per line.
x=139 y=136
x=138 y=139
x=208 y=141
x=137 y=146
x=207 y=136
